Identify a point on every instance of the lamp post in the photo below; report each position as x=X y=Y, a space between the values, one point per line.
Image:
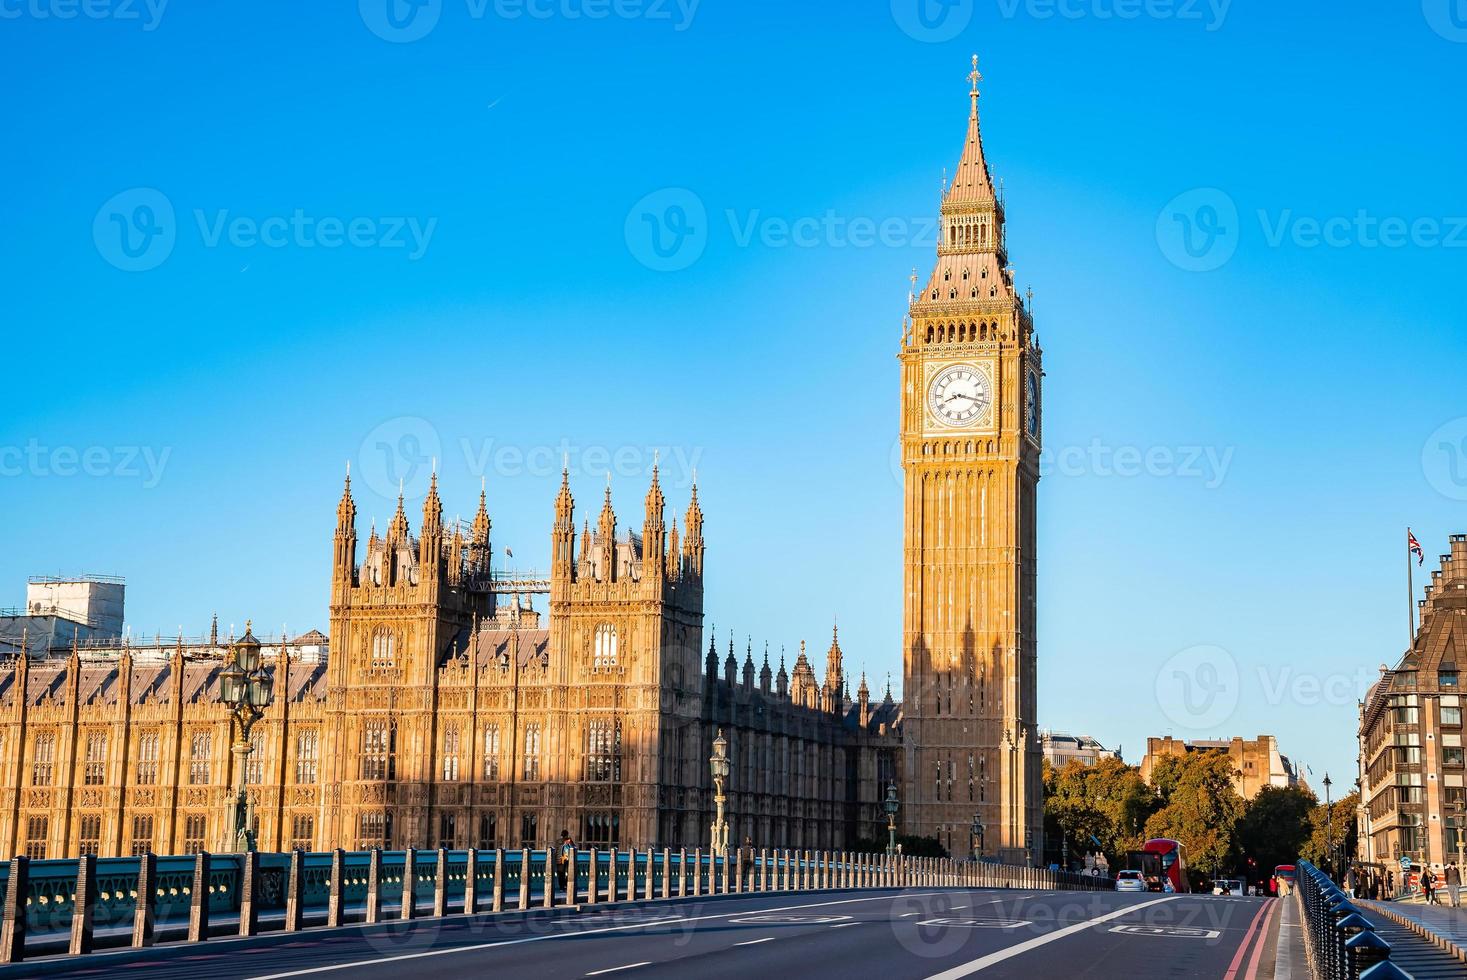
x=1329 y=831
x=1029 y=848
x=1461 y=807
x=890 y=805
x=244 y=688
x=977 y=832
x=718 y=765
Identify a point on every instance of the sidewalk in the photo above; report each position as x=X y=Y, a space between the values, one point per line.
x=1290 y=961
x=1441 y=925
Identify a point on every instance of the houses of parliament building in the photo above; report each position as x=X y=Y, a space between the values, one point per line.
x=444 y=711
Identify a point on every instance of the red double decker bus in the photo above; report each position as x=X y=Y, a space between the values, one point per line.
x=1160 y=861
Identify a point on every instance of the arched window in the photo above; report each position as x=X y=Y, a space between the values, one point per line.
x=604 y=652
x=384 y=649
x=379 y=750
x=95 y=773
x=198 y=759
x=491 y=751
x=148 y=759
x=450 y=754
x=603 y=750
x=532 y=752
x=305 y=756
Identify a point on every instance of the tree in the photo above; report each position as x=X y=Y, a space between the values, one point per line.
x=1201 y=810
x=1334 y=823
x=1107 y=801
x=1275 y=829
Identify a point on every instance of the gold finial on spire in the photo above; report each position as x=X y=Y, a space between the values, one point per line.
x=975 y=77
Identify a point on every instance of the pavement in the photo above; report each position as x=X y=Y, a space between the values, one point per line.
x=1439 y=926
x=897 y=934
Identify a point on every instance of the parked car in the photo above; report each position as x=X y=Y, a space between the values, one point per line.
x=1229 y=886
x=1130 y=881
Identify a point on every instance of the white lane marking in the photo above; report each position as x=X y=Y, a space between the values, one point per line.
x=756 y=942
x=908 y=915
x=844 y=924
x=993 y=959
x=308 y=971
x=614 y=969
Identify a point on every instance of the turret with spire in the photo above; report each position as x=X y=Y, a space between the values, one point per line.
x=693 y=535
x=765 y=676
x=345 y=560
x=563 y=539
x=834 y=691
x=481 y=555
x=653 y=527
x=430 y=542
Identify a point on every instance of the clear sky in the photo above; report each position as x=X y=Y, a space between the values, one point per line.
x=246 y=243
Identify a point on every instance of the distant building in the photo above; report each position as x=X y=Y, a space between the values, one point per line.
x=1257 y=763
x=1060 y=749
x=59 y=611
x=1413 y=765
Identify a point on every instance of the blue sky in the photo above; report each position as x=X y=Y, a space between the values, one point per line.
x=350 y=236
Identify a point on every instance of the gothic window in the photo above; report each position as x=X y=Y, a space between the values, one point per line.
x=488 y=830
x=491 y=751
x=529 y=829
x=532 y=752
x=302 y=832
x=375 y=830
x=604 y=654
x=447 y=830
x=195 y=825
x=255 y=761
x=36 y=831
x=982 y=779
x=603 y=751
x=148 y=760
x=947 y=275
x=198 y=759
x=90 y=829
x=379 y=750
x=384 y=649
x=450 y=755
x=970 y=779
x=94 y=772
x=43 y=760
x=601 y=830
x=305 y=756
x=142 y=834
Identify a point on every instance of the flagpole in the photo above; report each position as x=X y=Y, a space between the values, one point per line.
x=1410 y=596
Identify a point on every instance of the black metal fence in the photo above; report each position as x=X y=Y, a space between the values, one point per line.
x=1342 y=941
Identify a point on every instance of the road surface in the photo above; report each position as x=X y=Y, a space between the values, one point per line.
x=906 y=934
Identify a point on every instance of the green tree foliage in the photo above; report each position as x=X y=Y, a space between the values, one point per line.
x=1200 y=809
x=1107 y=801
x=1275 y=829
x=1333 y=823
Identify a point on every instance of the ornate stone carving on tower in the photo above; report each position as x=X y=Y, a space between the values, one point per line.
x=970 y=431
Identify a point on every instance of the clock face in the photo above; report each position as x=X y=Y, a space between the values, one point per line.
x=1031 y=406
x=959 y=395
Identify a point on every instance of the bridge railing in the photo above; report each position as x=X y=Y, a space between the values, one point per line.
x=1341 y=940
x=83 y=904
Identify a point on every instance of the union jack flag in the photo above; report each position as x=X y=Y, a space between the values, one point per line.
x=1415 y=547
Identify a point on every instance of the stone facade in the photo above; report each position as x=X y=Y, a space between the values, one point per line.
x=970 y=438
x=1413 y=765
x=1256 y=762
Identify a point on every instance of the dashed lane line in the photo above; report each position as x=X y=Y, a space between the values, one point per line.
x=618 y=969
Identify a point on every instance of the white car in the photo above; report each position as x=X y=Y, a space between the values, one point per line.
x=1130 y=881
x=1228 y=886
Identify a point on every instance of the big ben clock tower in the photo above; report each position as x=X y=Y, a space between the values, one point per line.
x=970 y=434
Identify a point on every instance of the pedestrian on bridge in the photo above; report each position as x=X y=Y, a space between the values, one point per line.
x=1454 y=885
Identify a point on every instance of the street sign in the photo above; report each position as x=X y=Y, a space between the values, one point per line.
x=1405 y=864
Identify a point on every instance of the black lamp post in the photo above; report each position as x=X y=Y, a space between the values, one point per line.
x=1329 y=831
x=977 y=831
x=244 y=688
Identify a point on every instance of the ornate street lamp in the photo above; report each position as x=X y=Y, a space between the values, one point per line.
x=1461 y=807
x=244 y=688
x=890 y=805
x=977 y=836
x=719 y=766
